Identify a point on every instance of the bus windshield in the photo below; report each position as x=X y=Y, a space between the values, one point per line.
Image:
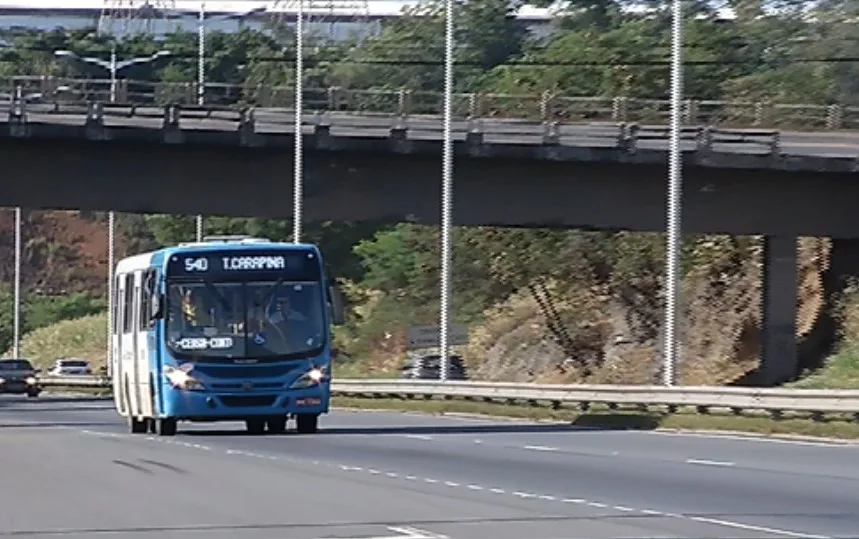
x=232 y=320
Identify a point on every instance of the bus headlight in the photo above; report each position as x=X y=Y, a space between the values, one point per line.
x=31 y=380
x=182 y=380
x=309 y=379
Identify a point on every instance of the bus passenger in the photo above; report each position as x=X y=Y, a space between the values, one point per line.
x=194 y=310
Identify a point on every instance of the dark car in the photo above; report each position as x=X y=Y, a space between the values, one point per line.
x=428 y=367
x=18 y=376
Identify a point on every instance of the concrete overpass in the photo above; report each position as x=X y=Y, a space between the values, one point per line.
x=508 y=173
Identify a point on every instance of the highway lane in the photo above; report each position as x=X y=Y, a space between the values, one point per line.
x=496 y=130
x=551 y=481
x=77 y=482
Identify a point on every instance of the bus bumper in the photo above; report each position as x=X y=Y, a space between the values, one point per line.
x=215 y=406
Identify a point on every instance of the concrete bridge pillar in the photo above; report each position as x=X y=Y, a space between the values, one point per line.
x=779 y=360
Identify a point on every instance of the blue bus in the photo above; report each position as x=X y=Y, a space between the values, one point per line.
x=228 y=329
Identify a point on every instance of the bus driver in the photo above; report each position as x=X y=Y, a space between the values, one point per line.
x=277 y=321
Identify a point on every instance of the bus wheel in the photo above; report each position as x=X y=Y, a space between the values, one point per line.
x=307 y=423
x=167 y=426
x=277 y=424
x=255 y=425
x=137 y=426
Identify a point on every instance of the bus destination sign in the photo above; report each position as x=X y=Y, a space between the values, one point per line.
x=295 y=264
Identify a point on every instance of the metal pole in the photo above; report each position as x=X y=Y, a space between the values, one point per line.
x=672 y=266
x=201 y=81
x=113 y=71
x=199 y=226
x=110 y=268
x=446 y=192
x=201 y=54
x=16 y=338
x=299 y=90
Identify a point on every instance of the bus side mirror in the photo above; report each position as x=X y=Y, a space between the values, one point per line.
x=338 y=309
x=155 y=307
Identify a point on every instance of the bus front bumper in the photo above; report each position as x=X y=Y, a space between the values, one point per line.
x=217 y=406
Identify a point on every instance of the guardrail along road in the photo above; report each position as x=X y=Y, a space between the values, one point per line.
x=776 y=401
x=70 y=469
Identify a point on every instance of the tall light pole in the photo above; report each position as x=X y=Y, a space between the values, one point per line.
x=446 y=192
x=111 y=246
x=299 y=90
x=201 y=67
x=674 y=203
x=201 y=54
x=111 y=231
x=16 y=328
x=201 y=84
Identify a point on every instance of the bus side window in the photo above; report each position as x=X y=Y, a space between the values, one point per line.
x=128 y=310
x=146 y=299
x=116 y=307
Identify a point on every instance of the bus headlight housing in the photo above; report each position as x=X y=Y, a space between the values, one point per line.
x=311 y=378
x=180 y=379
x=31 y=380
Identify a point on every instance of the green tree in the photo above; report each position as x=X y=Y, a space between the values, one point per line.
x=486 y=35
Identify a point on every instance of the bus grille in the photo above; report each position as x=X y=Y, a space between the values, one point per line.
x=261 y=385
x=245 y=372
x=237 y=401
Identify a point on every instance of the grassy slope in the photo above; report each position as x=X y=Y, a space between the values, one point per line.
x=83 y=338
x=841 y=371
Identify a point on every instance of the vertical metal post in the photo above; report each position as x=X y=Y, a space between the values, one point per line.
x=672 y=269
x=446 y=192
x=16 y=330
x=201 y=55
x=299 y=90
x=201 y=81
x=113 y=71
x=111 y=225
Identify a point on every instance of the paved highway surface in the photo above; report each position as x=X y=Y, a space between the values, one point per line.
x=70 y=470
x=601 y=134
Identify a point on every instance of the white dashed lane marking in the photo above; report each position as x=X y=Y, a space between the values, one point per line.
x=417 y=436
x=540 y=448
x=494 y=490
x=705 y=462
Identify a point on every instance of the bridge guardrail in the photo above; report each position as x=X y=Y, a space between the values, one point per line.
x=541 y=107
x=96 y=116
x=627 y=137
x=773 y=400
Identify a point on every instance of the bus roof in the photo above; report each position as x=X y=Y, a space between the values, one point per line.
x=158 y=256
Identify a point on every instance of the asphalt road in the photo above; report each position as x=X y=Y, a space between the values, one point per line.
x=70 y=470
x=506 y=131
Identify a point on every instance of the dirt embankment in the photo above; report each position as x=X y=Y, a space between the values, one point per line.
x=621 y=341
x=62 y=251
